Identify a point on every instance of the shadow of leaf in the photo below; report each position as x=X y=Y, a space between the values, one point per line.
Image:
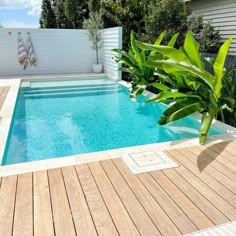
x=208 y=155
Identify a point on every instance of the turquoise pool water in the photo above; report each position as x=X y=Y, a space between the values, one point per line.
x=52 y=122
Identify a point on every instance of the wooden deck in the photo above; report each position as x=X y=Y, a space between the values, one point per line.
x=3 y=93
x=105 y=198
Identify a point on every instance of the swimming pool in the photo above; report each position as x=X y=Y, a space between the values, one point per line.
x=57 y=119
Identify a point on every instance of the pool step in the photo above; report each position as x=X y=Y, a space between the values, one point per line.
x=61 y=82
x=69 y=89
x=91 y=85
x=71 y=93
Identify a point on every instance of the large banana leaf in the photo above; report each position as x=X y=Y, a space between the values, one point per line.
x=159 y=86
x=171 y=66
x=191 y=47
x=180 y=104
x=158 y=42
x=170 y=52
x=173 y=40
x=169 y=95
x=219 y=66
x=180 y=110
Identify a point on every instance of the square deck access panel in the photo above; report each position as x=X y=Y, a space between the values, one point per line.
x=141 y=162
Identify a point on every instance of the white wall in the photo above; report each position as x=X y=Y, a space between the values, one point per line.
x=57 y=51
x=222 y=14
x=112 y=38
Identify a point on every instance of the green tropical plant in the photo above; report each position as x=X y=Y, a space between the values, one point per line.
x=206 y=97
x=227 y=114
x=135 y=63
x=191 y=87
x=94 y=26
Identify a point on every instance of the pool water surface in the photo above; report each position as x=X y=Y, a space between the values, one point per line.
x=58 y=121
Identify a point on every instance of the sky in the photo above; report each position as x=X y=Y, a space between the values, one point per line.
x=20 y=13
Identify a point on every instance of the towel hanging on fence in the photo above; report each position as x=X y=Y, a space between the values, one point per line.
x=22 y=54
x=32 y=58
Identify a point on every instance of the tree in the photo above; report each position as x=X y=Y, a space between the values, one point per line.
x=48 y=18
x=167 y=15
x=76 y=11
x=94 y=5
x=130 y=14
x=61 y=19
x=94 y=25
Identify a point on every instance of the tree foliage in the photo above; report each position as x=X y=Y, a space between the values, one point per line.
x=48 y=18
x=167 y=15
x=94 y=25
x=130 y=14
x=207 y=35
x=68 y=14
x=147 y=18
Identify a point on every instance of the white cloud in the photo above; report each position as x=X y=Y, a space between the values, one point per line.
x=12 y=3
x=34 y=5
x=18 y=24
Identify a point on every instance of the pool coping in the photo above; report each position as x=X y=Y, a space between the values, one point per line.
x=124 y=153
x=7 y=111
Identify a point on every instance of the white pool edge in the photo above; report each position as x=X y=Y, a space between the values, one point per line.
x=8 y=109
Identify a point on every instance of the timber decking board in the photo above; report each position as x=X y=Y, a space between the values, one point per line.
x=82 y=218
x=105 y=198
x=154 y=210
x=43 y=219
x=23 y=219
x=63 y=221
x=121 y=218
x=220 y=203
x=190 y=209
x=141 y=219
x=101 y=217
x=3 y=93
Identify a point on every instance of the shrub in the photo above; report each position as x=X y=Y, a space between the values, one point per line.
x=207 y=35
x=129 y=14
x=195 y=88
x=167 y=15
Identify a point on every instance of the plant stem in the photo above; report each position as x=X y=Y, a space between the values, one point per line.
x=222 y=116
x=97 y=48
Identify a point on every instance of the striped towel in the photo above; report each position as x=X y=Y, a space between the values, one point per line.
x=32 y=59
x=22 y=54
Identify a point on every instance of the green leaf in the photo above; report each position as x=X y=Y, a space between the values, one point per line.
x=160 y=38
x=167 y=51
x=191 y=47
x=158 y=42
x=171 y=66
x=169 y=94
x=130 y=71
x=229 y=99
x=124 y=54
x=181 y=112
x=135 y=48
x=173 y=40
x=129 y=63
x=219 y=66
x=138 y=91
x=180 y=104
x=159 y=86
